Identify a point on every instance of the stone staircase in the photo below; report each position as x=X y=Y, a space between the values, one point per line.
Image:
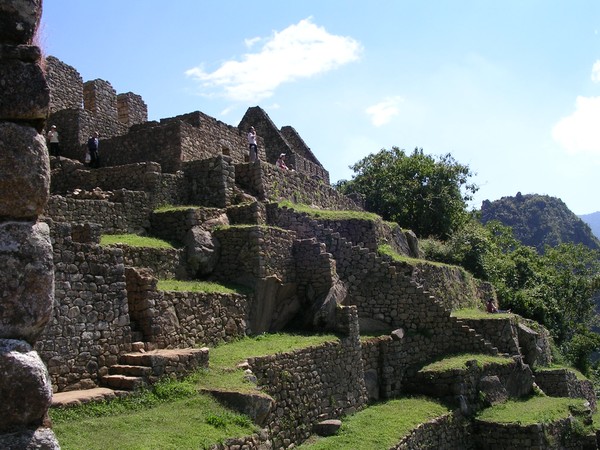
x=140 y=368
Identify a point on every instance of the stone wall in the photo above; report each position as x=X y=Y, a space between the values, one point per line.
x=66 y=85
x=382 y=290
x=543 y=436
x=173 y=225
x=131 y=109
x=184 y=319
x=451 y=431
x=564 y=383
x=210 y=181
x=312 y=384
x=120 y=212
x=501 y=332
x=265 y=181
x=249 y=253
x=89 y=328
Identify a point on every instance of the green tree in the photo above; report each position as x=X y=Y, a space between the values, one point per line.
x=417 y=191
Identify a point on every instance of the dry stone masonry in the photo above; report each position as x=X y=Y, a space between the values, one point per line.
x=78 y=315
x=27 y=275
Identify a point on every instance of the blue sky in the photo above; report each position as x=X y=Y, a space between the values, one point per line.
x=510 y=88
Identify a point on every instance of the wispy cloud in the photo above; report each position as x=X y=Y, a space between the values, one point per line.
x=579 y=132
x=596 y=72
x=299 y=51
x=382 y=113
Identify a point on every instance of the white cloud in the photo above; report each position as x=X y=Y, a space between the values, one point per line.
x=383 y=112
x=299 y=51
x=251 y=41
x=579 y=132
x=596 y=72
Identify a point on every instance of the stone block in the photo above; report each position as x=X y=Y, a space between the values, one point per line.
x=24 y=172
x=25 y=93
x=25 y=387
x=19 y=20
x=26 y=280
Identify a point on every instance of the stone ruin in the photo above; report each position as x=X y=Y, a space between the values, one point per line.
x=87 y=320
x=27 y=274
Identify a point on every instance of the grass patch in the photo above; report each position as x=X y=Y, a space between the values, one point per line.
x=460 y=362
x=208 y=287
x=531 y=411
x=475 y=313
x=188 y=423
x=394 y=419
x=222 y=372
x=169 y=208
x=329 y=214
x=387 y=250
x=133 y=240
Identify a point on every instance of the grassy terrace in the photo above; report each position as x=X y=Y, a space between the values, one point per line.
x=460 y=362
x=473 y=313
x=394 y=419
x=329 y=214
x=530 y=411
x=133 y=240
x=173 y=415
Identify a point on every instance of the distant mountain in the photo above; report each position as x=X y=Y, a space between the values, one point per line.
x=539 y=220
x=593 y=220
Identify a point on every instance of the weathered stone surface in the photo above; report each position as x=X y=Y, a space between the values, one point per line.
x=327 y=427
x=24 y=386
x=30 y=439
x=372 y=385
x=25 y=53
x=202 y=251
x=520 y=381
x=492 y=390
x=19 y=20
x=26 y=280
x=24 y=171
x=255 y=406
x=25 y=93
x=275 y=305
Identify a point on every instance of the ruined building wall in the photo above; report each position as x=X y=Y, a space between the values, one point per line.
x=249 y=253
x=183 y=319
x=123 y=212
x=78 y=109
x=266 y=181
x=66 y=85
x=27 y=275
x=90 y=321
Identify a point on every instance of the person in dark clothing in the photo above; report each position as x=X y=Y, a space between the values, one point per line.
x=93 y=144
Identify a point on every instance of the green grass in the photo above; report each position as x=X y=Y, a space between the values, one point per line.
x=394 y=419
x=200 y=286
x=387 y=250
x=189 y=423
x=531 y=411
x=474 y=313
x=168 y=208
x=329 y=214
x=460 y=362
x=222 y=372
x=133 y=240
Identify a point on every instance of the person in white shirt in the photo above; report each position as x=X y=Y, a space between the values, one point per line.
x=53 y=141
x=281 y=162
x=252 y=146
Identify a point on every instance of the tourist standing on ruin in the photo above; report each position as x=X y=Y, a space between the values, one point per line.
x=252 y=146
x=93 y=144
x=53 y=142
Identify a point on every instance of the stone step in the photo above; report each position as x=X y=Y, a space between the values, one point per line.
x=123 y=382
x=130 y=370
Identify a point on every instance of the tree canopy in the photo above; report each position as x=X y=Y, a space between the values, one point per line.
x=429 y=195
